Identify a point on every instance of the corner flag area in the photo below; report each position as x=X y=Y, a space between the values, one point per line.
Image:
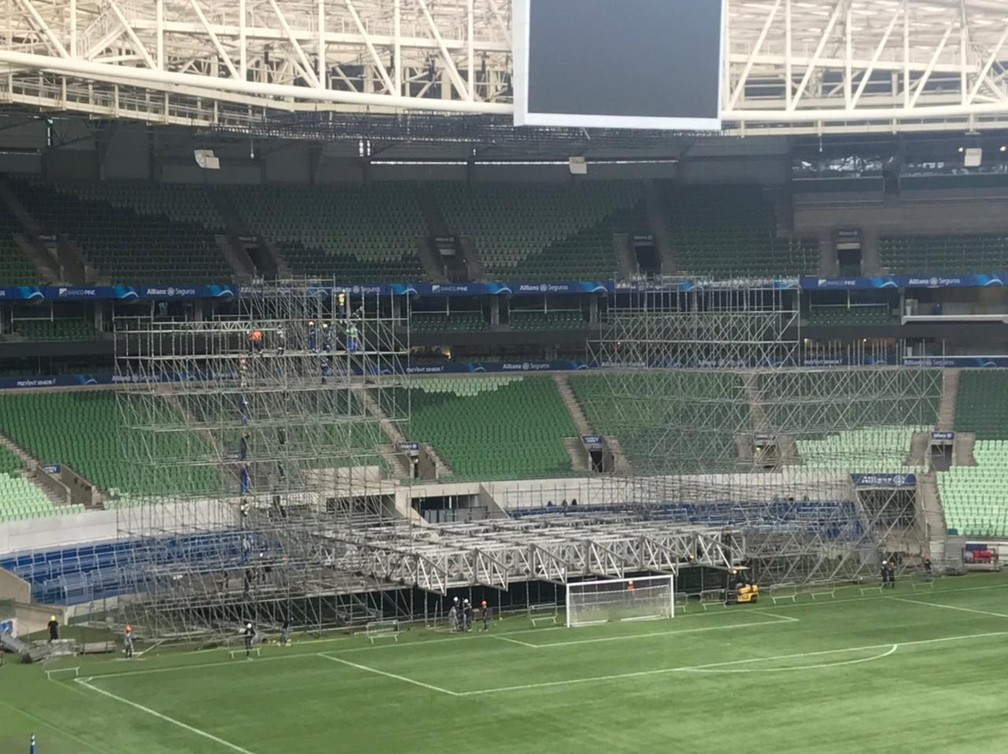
x=880 y=672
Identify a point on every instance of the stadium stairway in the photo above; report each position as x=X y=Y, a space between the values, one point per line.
x=920 y=445
x=754 y=394
x=947 y=403
x=27 y=239
x=658 y=223
x=54 y=490
x=962 y=449
x=395 y=434
x=437 y=227
x=267 y=261
x=934 y=515
x=573 y=445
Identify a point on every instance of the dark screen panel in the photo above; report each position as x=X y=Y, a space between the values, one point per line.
x=625 y=58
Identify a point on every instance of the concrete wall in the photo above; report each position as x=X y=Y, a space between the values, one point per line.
x=34 y=618
x=59 y=531
x=13 y=588
x=964 y=213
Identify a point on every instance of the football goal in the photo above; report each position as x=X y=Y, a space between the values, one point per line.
x=645 y=598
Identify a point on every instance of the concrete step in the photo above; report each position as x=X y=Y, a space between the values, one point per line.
x=947 y=403
x=962 y=449
x=52 y=488
x=577 y=454
x=573 y=407
x=13 y=645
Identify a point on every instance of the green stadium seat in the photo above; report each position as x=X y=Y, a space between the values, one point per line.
x=974 y=497
x=85 y=431
x=530 y=232
x=15 y=267
x=944 y=254
x=494 y=427
x=357 y=234
x=134 y=233
x=731 y=232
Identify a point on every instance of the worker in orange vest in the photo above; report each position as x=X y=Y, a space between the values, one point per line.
x=128 y=641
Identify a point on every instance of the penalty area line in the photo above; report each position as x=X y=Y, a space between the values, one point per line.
x=709 y=667
x=778 y=618
x=950 y=607
x=519 y=642
x=165 y=718
x=716 y=667
x=386 y=674
x=671 y=632
x=890 y=649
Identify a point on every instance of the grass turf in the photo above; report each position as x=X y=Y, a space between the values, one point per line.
x=902 y=670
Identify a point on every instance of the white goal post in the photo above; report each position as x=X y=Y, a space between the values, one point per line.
x=613 y=600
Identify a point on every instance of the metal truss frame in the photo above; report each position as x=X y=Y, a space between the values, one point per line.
x=243 y=450
x=711 y=404
x=791 y=66
x=555 y=549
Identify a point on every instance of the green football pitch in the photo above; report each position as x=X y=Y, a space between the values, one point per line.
x=897 y=671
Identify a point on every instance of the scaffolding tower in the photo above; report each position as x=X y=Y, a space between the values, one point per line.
x=249 y=434
x=718 y=401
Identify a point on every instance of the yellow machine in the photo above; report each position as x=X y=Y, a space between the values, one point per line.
x=742 y=589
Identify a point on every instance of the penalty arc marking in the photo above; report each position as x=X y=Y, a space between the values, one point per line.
x=793 y=668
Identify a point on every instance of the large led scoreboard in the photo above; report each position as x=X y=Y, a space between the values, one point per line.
x=653 y=64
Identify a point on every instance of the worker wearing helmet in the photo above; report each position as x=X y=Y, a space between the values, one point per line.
x=128 y=641
x=326 y=338
x=312 y=336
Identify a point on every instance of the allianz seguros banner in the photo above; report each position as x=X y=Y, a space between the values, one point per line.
x=885 y=481
x=116 y=292
x=903 y=281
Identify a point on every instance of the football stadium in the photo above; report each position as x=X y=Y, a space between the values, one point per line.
x=400 y=375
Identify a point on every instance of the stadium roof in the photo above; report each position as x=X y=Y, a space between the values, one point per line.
x=794 y=66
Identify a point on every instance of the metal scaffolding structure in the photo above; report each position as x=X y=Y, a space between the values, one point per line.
x=790 y=66
x=556 y=549
x=715 y=405
x=248 y=436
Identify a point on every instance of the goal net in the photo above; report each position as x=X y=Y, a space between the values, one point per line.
x=644 y=598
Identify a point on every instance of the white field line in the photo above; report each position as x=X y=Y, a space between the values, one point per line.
x=889 y=650
x=950 y=607
x=671 y=632
x=402 y=678
x=785 y=618
x=502 y=637
x=819 y=666
x=51 y=726
x=519 y=642
x=709 y=667
x=519 y=632
x=160 y=716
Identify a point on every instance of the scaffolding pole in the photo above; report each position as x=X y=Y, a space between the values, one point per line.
x=714 y=404
x=249 y=435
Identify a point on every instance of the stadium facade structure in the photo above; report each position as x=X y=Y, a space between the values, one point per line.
x=713 y=391
x=812 y=67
